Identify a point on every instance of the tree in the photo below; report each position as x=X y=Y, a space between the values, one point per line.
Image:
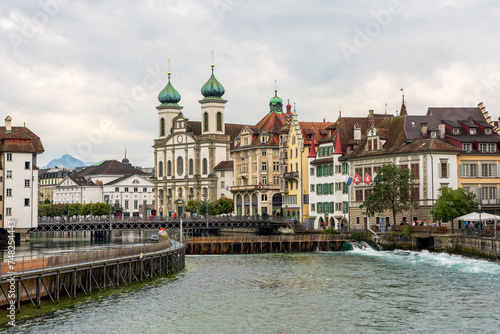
x=115 y=208
x=453 y=203
x=223 y=205
x=46 y=201
x=193 y=206
x=391 y=192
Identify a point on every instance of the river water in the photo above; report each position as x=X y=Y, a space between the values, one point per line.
x=344 y=292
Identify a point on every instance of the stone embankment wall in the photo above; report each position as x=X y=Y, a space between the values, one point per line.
x=483 y=247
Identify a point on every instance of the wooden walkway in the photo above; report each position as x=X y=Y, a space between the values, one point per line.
x=264 y=244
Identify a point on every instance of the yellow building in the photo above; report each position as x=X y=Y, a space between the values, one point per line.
x=48 y=179
x=295 y=144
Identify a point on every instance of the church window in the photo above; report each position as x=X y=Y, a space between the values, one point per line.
x=162 y=127
x=160 y=169
x=169 y=168
x=191 y=167
x=205 y=166
x=205 y=122
x=180 y=166
x=219 y=121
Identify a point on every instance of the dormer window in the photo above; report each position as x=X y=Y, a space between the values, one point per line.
x=433 y=134
x=487 y=131
x=456 y=131
x=467 y=147
x=487 y=147
x=264 y=139
x=472 y=131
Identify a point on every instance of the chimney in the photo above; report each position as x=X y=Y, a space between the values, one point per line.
x=441 y=130
x=357 y=132
x=370 y=113
x=8 y=126
x=423 y=128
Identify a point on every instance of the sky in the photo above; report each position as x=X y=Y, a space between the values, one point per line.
x=85 y=75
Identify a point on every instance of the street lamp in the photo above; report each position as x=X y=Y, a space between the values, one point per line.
x=479 y=208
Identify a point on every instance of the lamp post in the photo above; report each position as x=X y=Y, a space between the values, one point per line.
x=479 y=208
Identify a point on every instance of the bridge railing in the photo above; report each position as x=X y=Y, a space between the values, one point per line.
x=23 y=264
x=488 y=233
x=266 y=238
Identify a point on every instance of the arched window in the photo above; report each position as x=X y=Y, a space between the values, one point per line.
x=180 y=166
x=205 y=166
x=162 y=127
x=205 y=121
x=169 y=168
x=160 y=169
x=191 y=167
x=219 y=121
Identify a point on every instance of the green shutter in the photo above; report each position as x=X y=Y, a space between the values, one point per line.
x=346 y=206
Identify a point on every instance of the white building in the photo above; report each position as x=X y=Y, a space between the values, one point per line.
x=19 y=148
x=225 y=178
x=110 y=180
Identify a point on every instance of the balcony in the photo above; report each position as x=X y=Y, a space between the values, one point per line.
x=252 y=187
x=291 y=175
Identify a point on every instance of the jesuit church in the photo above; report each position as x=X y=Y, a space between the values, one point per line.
x=186 y=152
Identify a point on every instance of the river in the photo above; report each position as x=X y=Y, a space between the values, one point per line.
x=343 y=292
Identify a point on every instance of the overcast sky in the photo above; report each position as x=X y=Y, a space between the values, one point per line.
x=85 y=75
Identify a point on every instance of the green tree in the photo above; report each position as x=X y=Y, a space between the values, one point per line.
x=223 y=205
x=391 y=191
x=46 y=201
x=453 y=203
x=74 y=209
x=193 y=206
x=115 y=208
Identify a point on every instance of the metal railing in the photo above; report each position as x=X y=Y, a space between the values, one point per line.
x=268 y=238
x=25 y=264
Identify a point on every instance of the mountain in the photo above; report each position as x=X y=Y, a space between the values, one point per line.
x=66 y=161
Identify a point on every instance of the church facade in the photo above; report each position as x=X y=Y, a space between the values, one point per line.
x=186 y=152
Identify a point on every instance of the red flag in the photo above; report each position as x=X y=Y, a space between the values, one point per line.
x=260 y=185
x=357 y=179
x=368 y=179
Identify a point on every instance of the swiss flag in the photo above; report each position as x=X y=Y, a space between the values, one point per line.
x=368 y=179
x=357 y=179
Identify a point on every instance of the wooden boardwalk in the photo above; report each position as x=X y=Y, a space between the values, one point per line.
x=264 y=244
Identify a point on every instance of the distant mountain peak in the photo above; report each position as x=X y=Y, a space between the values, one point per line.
x=66 y=161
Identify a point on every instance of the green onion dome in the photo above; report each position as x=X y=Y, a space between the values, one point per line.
x=212 y=89
x=276 y=103
x=169 y=96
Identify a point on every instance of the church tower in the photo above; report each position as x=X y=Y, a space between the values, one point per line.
x=212 y=106
x=169 y=108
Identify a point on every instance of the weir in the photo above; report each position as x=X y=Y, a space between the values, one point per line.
x=86 y=272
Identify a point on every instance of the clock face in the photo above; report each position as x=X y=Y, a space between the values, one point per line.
x=180 y=139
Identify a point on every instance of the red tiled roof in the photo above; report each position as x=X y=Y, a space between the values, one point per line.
x=228 y=164
x=20 y=139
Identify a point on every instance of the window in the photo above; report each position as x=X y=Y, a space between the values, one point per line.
x=359 y=171
x=9 y=192
x=27 y=165
x=264 y=197
x=222 y=185
x=313 y=207
x=488 y=170
x=276 y=166
x=145 y=202
x=180 y=166
x=276 y=179
x=487 y=131
x=117 y=189
x=8 y=211
x=338 y=169
x=264 y=152
x=296 y=152
x=312 y=188
x=433 y=134
x=472 y=131
x=169 y=168
x=191 y=167
x=27 y=183
x=444 y=169
x=26 y=202
x=126 y=189
x=456 y=131
x=359 y=195
x=160 y=169
x=205 y=166
x=368 y=170
x=205 y=122
x=219 y=121
x=312 y=171
x=415 y=171
x=9 y=156
x=126 y=203
x=415 y=194
x=467 y=147
x=487 y=147
x=264 y=166
x=264 y=180
x=136 y=190
x=162 y=127
x=9 y=174
x=136 y=204
x=473 y=170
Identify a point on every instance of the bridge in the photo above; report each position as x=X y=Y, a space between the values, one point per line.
x=194 y=224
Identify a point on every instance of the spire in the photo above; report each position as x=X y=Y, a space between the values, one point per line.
x=125 y=160
x=338 y=147
x=169 y=96
x=403 y=111
x=312 y=150
x=289 y=108
x=276 y=103
x=212 y=89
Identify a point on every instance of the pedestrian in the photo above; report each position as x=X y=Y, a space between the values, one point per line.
x=388 y=226
x=342 y=226
x=175 y=215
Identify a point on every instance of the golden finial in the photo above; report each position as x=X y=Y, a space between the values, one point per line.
x=340 y=110
x=169 y=67
x=212 y=59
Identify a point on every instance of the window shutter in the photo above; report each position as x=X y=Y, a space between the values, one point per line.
x=460 y=170
x=447 y=170
x=439 y=170
x=479 y=170
x=498 y=171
